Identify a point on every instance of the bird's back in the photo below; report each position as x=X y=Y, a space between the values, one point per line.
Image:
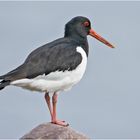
x=59 y=55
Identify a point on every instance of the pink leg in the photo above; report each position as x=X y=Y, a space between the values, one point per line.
x=55 y=120
x=47 y=98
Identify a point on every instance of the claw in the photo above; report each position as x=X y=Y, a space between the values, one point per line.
x=61 y=123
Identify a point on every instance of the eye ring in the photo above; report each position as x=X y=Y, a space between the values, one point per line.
x=86 y=23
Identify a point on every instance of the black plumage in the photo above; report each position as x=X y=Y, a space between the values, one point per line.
x=46 y=59
x=59 y=55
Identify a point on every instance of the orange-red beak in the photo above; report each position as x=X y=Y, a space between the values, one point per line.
x=98 y=37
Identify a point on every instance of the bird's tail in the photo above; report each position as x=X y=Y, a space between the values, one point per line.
x=15 y=74
x=3 y=83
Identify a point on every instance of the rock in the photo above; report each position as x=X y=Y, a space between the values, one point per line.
x=52 y=131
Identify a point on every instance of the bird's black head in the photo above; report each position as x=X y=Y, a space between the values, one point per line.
x=79 y=27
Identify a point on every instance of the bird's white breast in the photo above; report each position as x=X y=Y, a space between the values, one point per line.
x=55 y=81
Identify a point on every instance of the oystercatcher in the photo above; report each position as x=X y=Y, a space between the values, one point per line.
x=56 y=66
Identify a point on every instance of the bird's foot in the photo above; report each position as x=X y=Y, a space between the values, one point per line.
x=59 y=122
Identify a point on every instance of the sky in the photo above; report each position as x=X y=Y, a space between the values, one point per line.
x=105 y=104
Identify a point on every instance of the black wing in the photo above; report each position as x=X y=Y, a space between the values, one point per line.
x=59 y=55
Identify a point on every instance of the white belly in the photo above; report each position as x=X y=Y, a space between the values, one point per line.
x=55 y=81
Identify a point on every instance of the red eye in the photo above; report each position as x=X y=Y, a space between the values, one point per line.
x=86 y=23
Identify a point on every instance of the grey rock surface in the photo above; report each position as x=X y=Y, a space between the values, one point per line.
x=52 y=131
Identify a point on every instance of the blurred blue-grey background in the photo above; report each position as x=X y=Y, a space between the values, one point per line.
x=105 y=104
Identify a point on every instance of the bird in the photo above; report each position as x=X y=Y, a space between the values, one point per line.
x=56 y=66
